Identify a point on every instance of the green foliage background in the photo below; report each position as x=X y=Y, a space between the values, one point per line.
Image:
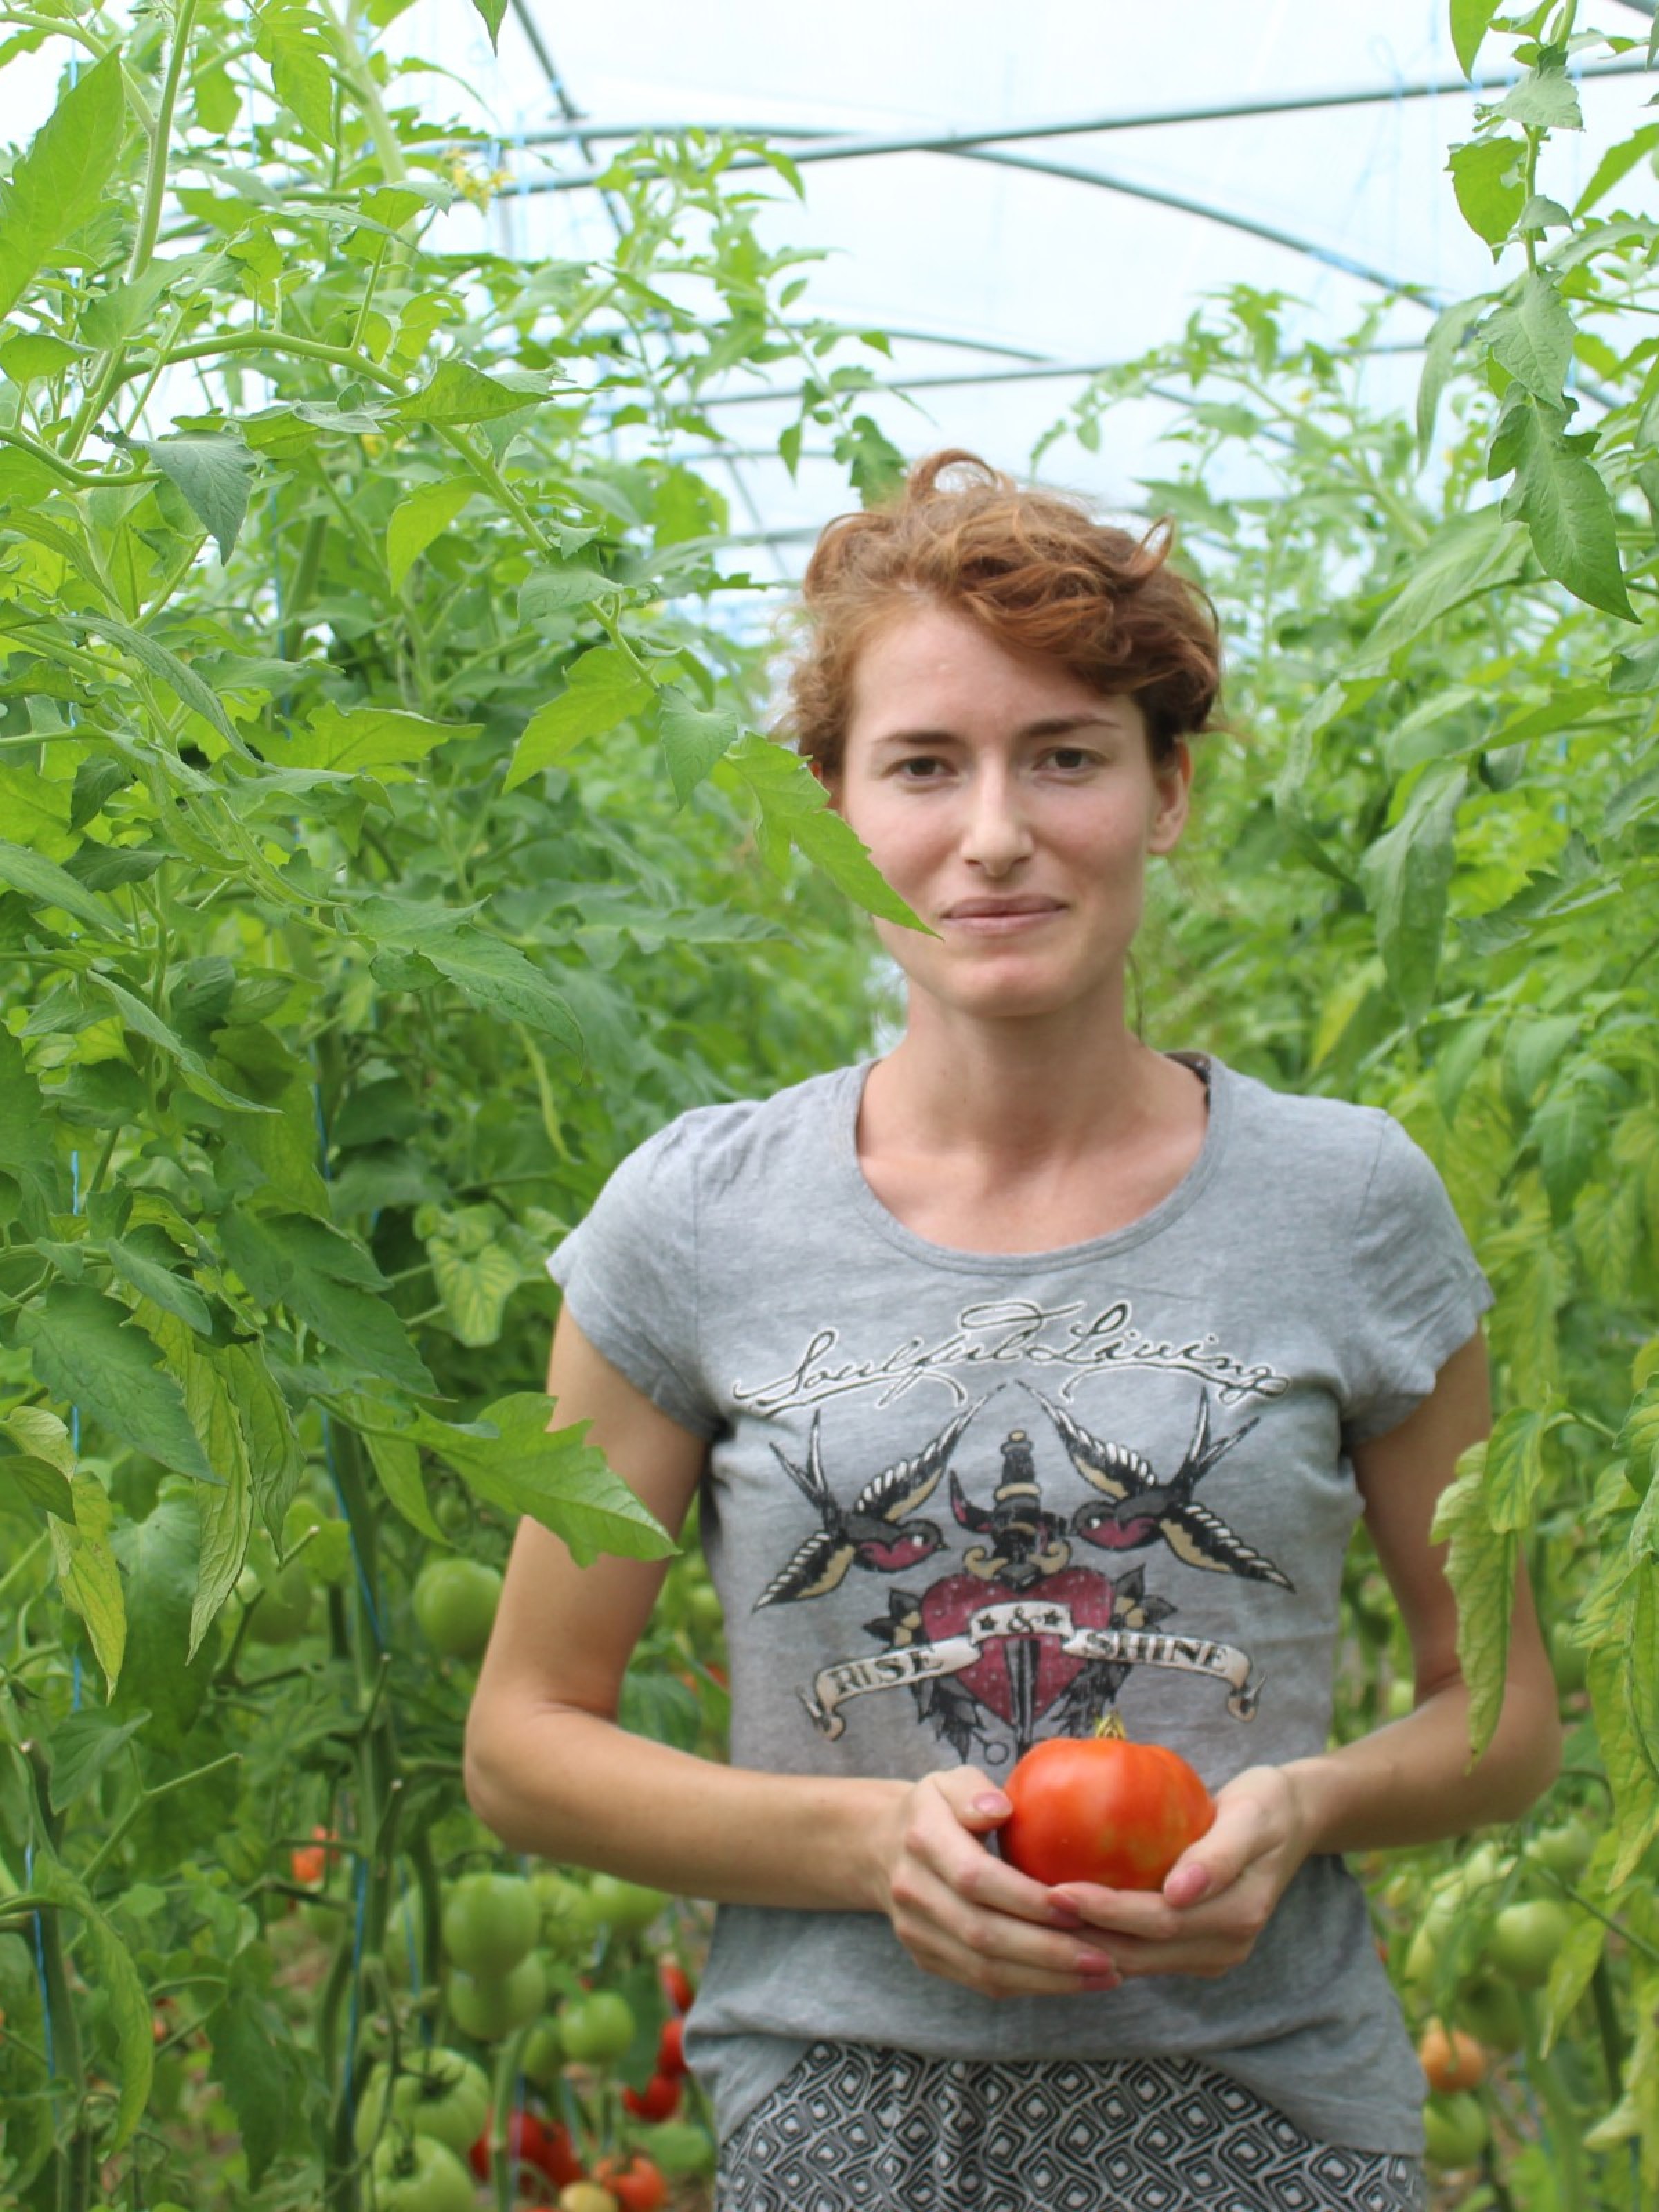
x=383 y=850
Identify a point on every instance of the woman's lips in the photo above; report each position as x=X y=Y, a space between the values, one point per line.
x=993 y=915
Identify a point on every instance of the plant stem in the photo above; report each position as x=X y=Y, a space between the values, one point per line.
x=160 y=144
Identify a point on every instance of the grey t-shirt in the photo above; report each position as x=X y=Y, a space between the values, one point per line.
x=957 y=1502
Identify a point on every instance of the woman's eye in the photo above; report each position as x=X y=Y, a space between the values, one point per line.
x=1069 y=758
x=921 y=767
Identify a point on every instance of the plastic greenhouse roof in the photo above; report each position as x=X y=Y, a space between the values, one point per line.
x=1020 y=197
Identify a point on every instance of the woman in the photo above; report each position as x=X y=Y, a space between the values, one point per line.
x=1025 y=1374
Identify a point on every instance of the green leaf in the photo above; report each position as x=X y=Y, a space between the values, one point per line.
x=226 y=1511
x=1465 y=556
x=58 y=183
x=1642 y=1669
x=1480 y=1566
x=1635 y=1804
x=158 y=1557
x=254 y=2062
x=43 y=883
x=1636 y=668
x=292 y=40
x=1514 y=1469
x=693 y=738
x=1532 y=337
x=26 y=355
x=1486 y=177
x=418 y=520
x=1638 y=1442
x=1563 y=501
x=82 y=1745
x=343 y=739
x=492 y=11
x=144 y=1022
x=551 y=592
x=460 y=394
x=1448 y=335
x=213 y=477
x=88 y=1577
x=1570 y=1130
x=288 y=1260
x=109 y=1967
x=1545 y=99
x=397 y=1463
x=88 y=1351
x=176 y=674
x=475 y=1273
x=493 y=974
x=603 y=688
x=39 y=1459
x=870 y=458
x=793 y=808
x=1617 y=162
x=1570 y=1976
x=1407 y=876
x=275 y=1461
x=1470 y=21
x=512 y=1460
x=146 y=1267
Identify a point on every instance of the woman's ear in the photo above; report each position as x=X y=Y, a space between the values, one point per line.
x=1174 y=780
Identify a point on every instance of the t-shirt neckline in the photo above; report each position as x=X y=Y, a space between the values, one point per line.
x=1169 y=1209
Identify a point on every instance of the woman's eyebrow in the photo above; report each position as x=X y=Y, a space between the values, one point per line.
x=1051 y=725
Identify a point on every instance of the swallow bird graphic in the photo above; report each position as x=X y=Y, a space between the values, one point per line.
x=876 y=1532
x=1136 y=1509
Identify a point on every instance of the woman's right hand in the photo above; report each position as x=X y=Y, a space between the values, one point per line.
x=963 y=1913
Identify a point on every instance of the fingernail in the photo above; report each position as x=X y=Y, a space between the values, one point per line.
x=993 y=1801
x=1099 y=1984
x=1065 y=1916
x=1095 y=1965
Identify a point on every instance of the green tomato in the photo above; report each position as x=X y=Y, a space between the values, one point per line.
x=443 y=2095
x=455 y=1602
x=279 y=1610
x=1456 y=2128
x=542 y=2059
x=1568 y=1659
x=490 y=1920
x=680 y=2147
x=489 y=2006
x=1525 y=1940
x=1565 y=1850
x=1491 y=2012
x=627 y=1906
x=327 y=1540
x=417 y=2173
x=597 y=2029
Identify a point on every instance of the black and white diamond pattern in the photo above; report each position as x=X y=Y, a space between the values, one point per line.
x=858 y=2128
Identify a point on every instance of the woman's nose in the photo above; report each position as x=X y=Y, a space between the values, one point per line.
x=996 y=835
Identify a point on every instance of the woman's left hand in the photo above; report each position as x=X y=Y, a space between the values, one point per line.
x=1221 y=1891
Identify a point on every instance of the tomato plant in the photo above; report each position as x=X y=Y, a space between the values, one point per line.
x=487 y=2007
x=596 y=2029
x=416 y=2174
x=490 y=1923
x=439 y=2092
x=1101 y=1809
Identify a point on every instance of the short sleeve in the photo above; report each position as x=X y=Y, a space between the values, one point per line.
x=630 y=1277
x=1419 y=1290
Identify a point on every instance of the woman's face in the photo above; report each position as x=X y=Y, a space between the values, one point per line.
x=1012 y=808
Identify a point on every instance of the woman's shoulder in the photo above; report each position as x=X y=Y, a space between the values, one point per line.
x=1334 y=1127
x=726 y=1143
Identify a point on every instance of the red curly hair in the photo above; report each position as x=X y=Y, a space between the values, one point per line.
x=1035 y=570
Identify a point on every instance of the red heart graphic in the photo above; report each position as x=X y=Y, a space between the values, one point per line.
x=947 y=1608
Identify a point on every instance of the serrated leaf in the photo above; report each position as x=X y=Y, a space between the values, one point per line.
x=289 y=37
x=1480 y=1566
x=145 y=1269
x=1486 y=177
x=397 y=1461
x=57 y=185
x=89 y=1577
x=213 y=477
x=512 y=1460
x=1544 y=99
x=1513 y=1471
x=460 y=394
x=253 y=2061
x=550 y=592
x=1617 y=162
x=26 y=355
x=1635 y=1802
x=1569 y=1975
x=345 y=740
x=43 y=883
x=1531 y=336
x=492 y=974
x=1447 y=337
x=275 y=1461
x=1468 y=555
x=82 y=1745
x=793 y=808
x=88 y=1351
x=108 y=1965
x=693 y=738
x=1470 y=21
x=1642 y=1673
x=1569 y=1128
x=146 y=1023
x=474 y=1286
x=1638 y=1443
x=420 y=519
x=603 y=688
x=1563 y=501
x=1407 y=876
x=180 y=677
x=226 y=1511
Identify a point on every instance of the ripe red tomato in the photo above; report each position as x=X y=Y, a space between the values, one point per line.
x=1100 y=1809
x=544 y=2145
x=658 y=2100
x=310 y=1861
x=670 y=2049
x=636 y=2183
x=675 y=1984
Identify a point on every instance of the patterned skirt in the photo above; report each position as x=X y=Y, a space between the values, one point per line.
x=858 y=2128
